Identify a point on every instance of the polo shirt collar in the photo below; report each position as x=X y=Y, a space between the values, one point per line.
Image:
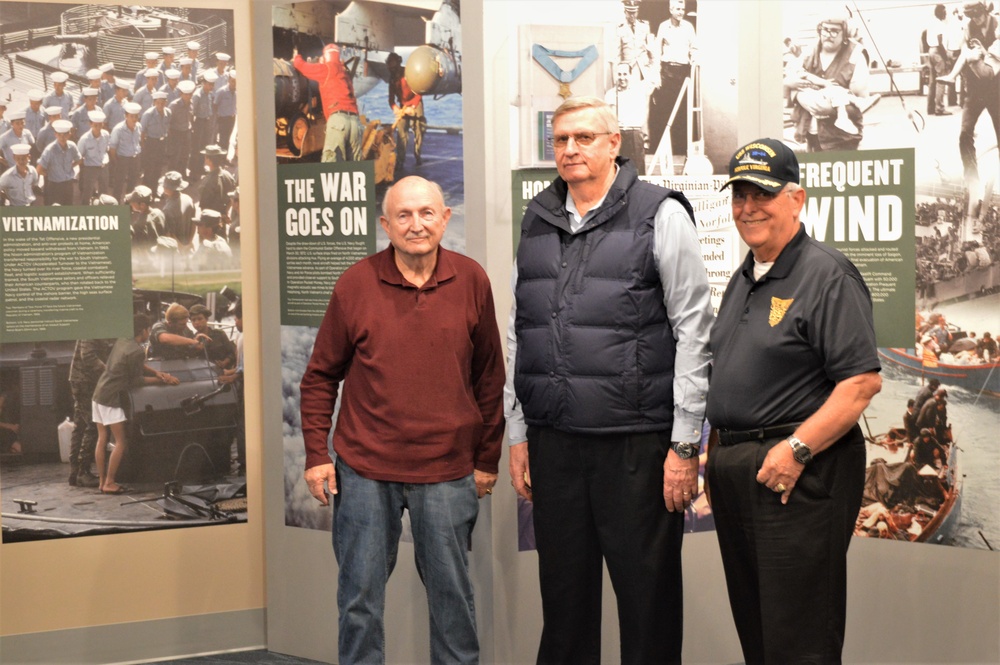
x=389 y=273
x=785 y=261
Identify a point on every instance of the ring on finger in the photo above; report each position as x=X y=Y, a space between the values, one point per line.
x=780 y=488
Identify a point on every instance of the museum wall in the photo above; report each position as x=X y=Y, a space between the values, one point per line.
x=157 y=594
x=161 y=593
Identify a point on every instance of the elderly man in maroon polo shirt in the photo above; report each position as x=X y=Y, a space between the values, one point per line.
x=412 y=333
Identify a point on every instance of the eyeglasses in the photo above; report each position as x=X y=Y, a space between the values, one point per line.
x=828 y=30
x=581 y=138
x=759 y=196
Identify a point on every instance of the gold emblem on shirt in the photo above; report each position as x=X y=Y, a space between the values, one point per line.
x=778 y=309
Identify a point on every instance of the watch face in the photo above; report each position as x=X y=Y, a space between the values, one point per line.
x=685 y=450
x=801 y=453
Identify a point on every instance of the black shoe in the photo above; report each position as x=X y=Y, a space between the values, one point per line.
x=73 y=479
x=86 y=479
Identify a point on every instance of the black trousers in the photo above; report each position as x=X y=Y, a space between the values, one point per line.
x=225 y=130
x=202 y=133
x=601 y=498
x=661 y=105
x=154 y=158
x=59 y=192
x=632 y=148
x=786 y=565
x=125 y=172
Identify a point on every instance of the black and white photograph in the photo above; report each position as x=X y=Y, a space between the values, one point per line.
x=854 y=80
x=131 y=110
x=674 y=98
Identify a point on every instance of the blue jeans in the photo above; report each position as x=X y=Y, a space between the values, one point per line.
x=366 y=530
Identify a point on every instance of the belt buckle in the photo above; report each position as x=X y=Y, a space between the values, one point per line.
x=760 y=434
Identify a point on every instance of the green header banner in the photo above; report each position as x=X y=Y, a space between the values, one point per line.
x=525 y=185
x=65 y=273
x=862 y=203
x=327 y=218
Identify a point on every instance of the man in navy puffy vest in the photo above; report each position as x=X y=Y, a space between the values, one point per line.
x=607 y=375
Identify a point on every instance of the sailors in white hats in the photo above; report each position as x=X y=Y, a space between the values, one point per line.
x=186 y=65
x=59 y=96
x=222 y=69
x=19 y=183
x=179 y=145
x=126 y=146
x=152 y=60
x=192 y=52
x=225 y=109
x=155 y=123
x=144 y=96
x=94 y=77
x=34 y=115
x=47 y=134
x=80 y=116
x=115 y=107
x=203 y=121
x=107 y=83
x=57 y=165
x=18 y=134
x=169 y=53
x=173 y=77
x=94 y=146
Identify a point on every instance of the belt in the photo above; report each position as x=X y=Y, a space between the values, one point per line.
x=728 y=437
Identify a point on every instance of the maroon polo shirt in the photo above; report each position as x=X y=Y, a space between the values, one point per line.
x=422 y=370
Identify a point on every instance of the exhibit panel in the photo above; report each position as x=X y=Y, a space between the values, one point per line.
x=377 y=44
x=902 y=167
x=739 y=90
x=138 y=562
x=173 y=592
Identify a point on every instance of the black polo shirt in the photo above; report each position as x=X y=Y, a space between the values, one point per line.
x=781 y=344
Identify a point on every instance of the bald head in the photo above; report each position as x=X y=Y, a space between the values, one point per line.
x=404 y=185
x=415 y=217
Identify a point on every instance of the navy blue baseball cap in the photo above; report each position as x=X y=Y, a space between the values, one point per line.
x=767 y=163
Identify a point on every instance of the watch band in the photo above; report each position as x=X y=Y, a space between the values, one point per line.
x=801 y=452
x=684 y=450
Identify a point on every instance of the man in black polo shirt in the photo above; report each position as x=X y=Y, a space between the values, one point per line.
x=795 y=364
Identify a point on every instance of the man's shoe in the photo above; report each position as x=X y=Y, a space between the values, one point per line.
x=86 y=479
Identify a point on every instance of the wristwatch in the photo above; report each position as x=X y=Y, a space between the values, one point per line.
x=801 y=452
x=685 y=450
